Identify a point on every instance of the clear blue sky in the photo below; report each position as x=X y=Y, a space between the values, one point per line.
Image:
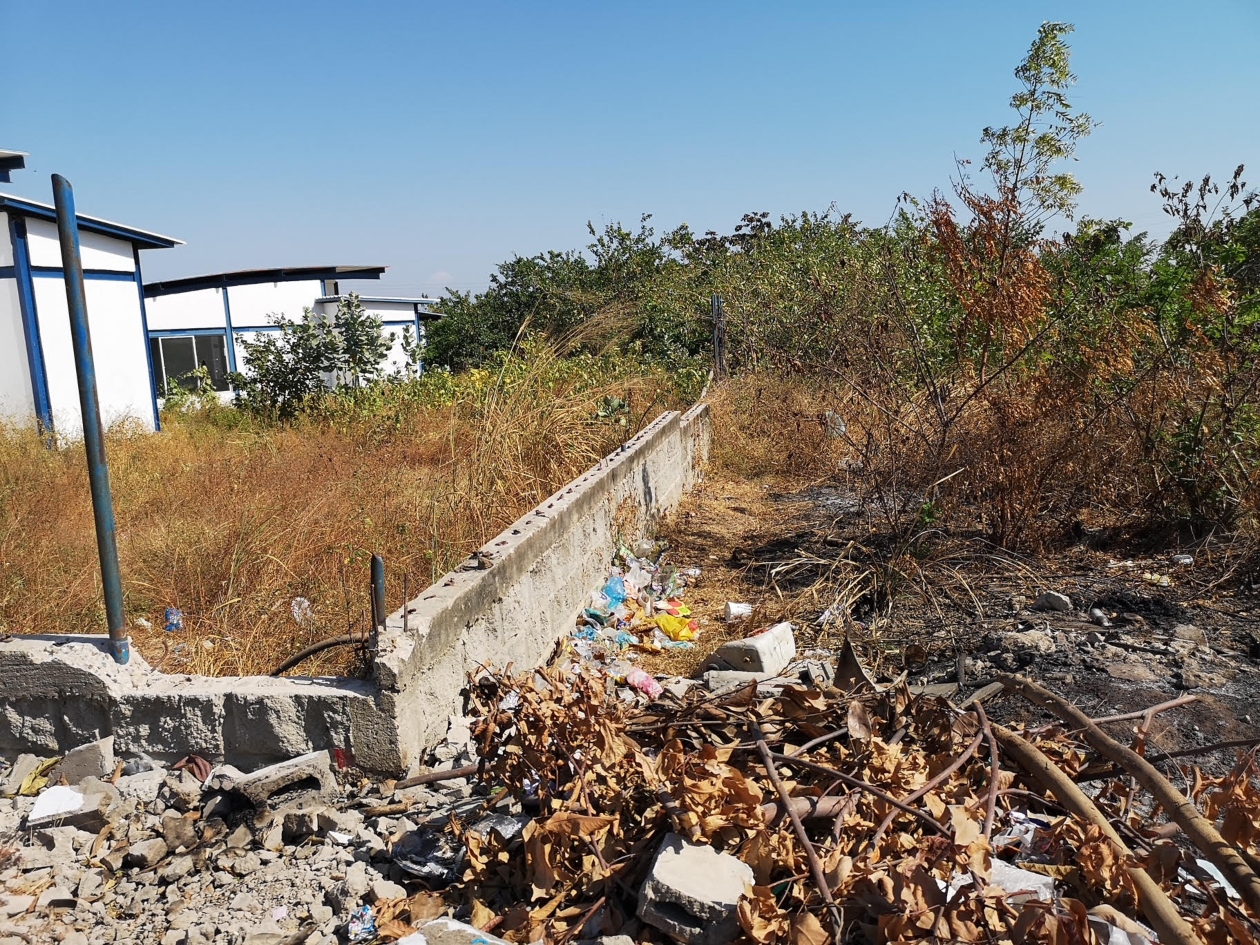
x=441 y=138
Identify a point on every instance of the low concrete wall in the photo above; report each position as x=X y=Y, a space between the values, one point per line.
x=57 y=692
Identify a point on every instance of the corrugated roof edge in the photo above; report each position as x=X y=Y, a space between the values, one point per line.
x=44 y=211
x=221 y=280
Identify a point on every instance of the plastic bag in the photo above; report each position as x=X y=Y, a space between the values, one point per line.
x=644 y=682
x=677 y=628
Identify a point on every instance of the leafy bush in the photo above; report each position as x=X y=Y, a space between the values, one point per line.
x=285 y=368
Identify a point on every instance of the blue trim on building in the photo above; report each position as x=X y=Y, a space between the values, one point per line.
x=99 y=275
x=42 y=211
x=8 y=272
x=227 y=320
x=30 y=322
x=148 y=348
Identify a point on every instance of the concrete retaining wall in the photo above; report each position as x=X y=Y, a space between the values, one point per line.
x=60 y=692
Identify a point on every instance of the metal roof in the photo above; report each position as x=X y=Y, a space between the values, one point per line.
x=221 y=280
x=44 y=211
x=423 y=300
x=11 y=161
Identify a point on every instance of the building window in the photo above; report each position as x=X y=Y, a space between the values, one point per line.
x=177 y=356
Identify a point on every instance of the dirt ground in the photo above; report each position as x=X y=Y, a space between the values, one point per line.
x=810 y=554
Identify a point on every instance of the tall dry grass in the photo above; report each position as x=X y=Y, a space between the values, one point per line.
x=230 y=523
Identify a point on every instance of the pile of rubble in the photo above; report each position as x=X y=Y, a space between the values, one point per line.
x=786 y=798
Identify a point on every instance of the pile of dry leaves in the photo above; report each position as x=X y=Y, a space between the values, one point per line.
x=868 y=815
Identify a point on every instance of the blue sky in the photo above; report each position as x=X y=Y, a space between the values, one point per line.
x=442 y=138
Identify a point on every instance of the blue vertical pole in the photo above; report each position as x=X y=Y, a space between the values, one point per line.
x=93 y=434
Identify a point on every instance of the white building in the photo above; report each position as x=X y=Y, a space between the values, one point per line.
x=201 y=320
x=37 y=372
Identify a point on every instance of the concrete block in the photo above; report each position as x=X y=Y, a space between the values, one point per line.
x=692 y=892
x=767 y=652
x=311 y=772
x=93 y=760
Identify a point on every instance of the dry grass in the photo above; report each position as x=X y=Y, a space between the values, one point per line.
x=230 y=525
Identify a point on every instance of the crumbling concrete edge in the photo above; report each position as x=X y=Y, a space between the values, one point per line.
x=59 y=692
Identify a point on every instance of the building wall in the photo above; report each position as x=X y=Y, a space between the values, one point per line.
x=119 y=349
x=252 y=305
x=17 y=403
x=97 y=252
x=186 y=310
x=115 y=321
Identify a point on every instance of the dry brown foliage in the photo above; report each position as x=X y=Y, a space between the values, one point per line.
x=609 y=780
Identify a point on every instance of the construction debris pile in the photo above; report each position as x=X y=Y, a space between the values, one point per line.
x=846 y=814
x=791 y=801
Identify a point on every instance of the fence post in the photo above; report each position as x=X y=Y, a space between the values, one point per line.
x=718 y=313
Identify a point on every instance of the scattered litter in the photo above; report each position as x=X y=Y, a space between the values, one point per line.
x=57 y=801
x=362 y=925
x=174 y=620
x=737 y=612
x=302 y=611
x=1183 y=561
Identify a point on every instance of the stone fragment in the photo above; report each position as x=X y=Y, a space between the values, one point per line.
x=766 y=652
x=143 y=787
x=56 y=898
x=1131 y=672
x=176 y=869
x=347 y=894
x=181 y=790
x=1190 y=633
x=81 y=807
x=692 y=891
x=146 y=853
x=15 y=905
x=91 y=884
x=23 y=767
x=721 y=680
x=384 y=889
x=301 y=821
x=93 y=760
x=1033 y=643
x=1196 y=674
x=178 y=831
x=1053 y=600
x=309 y=772
x=343 y=821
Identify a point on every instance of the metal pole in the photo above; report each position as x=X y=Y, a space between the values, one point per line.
x=378 y=592
x=93 y=434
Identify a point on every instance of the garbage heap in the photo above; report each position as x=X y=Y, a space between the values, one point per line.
x=847 y=813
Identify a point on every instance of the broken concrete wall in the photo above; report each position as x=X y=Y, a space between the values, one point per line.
x=58 y=692
x=541 y=572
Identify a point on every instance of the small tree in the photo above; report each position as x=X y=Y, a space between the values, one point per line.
x=284 y=368
x=1022 y=156
x=362 y=344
